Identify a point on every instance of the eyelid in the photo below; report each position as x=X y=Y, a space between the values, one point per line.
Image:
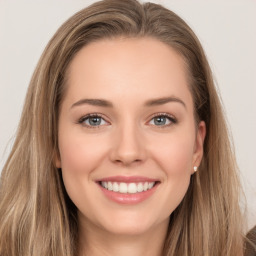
x=172 y=119
x=83 y=118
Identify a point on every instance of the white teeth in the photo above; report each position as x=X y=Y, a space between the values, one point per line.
x=110 y=186
x=150 y=185
x=140 y=187
x=115 y=187
x=104 y=184
x=145 y=187
x=123 y=188
x=130 y=188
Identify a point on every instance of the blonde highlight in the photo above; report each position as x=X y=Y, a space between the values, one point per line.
x=36 y=215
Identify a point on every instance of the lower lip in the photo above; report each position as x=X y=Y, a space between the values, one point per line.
x=126 y=198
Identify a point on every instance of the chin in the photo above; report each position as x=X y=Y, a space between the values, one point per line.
x=128 y=230
x=131 y=223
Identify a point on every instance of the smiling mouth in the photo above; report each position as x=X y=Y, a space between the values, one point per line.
x=127 y=188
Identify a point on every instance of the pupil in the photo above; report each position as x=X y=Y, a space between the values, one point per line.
x=94 y=120
x=160 y=120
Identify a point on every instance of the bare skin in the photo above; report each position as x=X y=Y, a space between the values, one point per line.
x=127 y=112
x=105 y=243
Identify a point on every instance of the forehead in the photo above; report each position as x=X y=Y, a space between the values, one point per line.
x=127 y=67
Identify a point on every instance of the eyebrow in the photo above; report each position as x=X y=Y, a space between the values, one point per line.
x=93 y=102
x=164 y=100
x=149 y=103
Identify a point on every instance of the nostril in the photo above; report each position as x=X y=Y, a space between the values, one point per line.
x=128 y=162
x=127 y=150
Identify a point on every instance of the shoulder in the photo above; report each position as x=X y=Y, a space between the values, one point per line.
x=250 y=243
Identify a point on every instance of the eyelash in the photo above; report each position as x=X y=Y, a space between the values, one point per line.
x=172 y=119
x=84 y=118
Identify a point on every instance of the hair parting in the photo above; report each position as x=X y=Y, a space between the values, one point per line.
x=36 y=215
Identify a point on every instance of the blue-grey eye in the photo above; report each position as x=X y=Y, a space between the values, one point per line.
x=94 y=121
x=160 y=120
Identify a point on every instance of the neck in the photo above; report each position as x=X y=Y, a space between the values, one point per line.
x=95 y=241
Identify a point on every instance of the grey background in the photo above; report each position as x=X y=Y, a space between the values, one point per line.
x=226 y=30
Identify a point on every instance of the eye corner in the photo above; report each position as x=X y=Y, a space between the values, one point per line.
x=97 y=124
x=171 y=120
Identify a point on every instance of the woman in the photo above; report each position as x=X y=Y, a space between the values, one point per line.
x=122 y=147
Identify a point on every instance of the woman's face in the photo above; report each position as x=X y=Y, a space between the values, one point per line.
x=128 y=140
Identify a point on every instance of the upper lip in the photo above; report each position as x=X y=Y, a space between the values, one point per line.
x=128 y=179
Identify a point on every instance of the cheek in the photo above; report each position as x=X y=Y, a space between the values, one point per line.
x=175 y=154
x=80 y=154
x=174 y=158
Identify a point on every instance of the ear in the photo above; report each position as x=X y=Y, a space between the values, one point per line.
x=199 y=144
x=56 y=159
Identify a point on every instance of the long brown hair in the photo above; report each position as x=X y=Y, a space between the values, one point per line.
x=36 y=215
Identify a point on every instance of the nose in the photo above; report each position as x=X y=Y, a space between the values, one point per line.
x=128 y=147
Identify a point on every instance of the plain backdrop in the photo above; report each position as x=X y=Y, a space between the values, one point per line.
x=226 y=29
